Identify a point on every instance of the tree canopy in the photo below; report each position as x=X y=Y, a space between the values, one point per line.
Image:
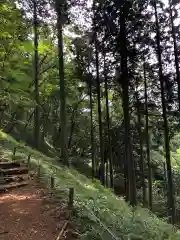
x=98 y=85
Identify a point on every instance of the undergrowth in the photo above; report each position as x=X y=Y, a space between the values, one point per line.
x=99 y=214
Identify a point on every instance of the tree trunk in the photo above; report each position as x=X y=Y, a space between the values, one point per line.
x=108 y=127
x=72 y=128
x=124 y=80
x=102 y=165
x=175 y=51
x=147 y=140
x=63 y=133
x=142 y=178
x=92 y=130
x=36 y=81
x=171 y=201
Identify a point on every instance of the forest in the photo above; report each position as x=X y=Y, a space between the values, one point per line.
x=96 y=84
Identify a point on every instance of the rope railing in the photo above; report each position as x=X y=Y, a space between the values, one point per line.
x=102 y=224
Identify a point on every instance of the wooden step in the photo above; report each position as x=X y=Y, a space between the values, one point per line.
x=3 y=159
x=13 y=178
x=6 y=187
x=12 y=171
x=6 y=165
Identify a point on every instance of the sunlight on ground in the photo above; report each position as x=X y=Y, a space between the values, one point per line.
x=87 y=186
x=90 y=187
x=20 y=211
x=3 y=135
x=16 y=197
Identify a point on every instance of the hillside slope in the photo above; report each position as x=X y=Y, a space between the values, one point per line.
x=99 y=214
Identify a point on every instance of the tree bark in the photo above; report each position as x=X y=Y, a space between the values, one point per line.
x=92 y=131
x=147 y=140
x=108 y=127
x=63 y=134
x=124 y=80
x=141 y=151
x=102 y=165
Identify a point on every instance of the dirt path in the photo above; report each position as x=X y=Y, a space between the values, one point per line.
x=27 y=213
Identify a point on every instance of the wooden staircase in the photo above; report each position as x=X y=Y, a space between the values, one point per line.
x=12 y=175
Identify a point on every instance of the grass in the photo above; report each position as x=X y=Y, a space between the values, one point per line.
x=99 y=214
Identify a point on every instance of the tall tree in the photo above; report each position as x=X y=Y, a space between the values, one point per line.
x=36 y=77
x=147 y=138
x=108 y=123
x=92 y=129
x=124 y=80
x=142 y=167
x=60 y=8
x=102 y=164
x=171 y=202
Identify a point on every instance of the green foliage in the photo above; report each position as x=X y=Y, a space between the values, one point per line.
x=92 y=199
x=17 y=103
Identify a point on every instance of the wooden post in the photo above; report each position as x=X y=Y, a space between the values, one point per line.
x=14 y=153
x=71 y=198
x=39 y=171
x=52 y=182
x=29 y=161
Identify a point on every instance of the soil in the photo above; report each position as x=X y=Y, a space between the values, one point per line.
x=29 y=213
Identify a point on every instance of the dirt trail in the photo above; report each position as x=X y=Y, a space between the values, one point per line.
x=27 y=213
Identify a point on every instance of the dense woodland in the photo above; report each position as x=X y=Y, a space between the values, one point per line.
x=97 y=84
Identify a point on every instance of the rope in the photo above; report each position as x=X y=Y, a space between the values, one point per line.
x=102 y=224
